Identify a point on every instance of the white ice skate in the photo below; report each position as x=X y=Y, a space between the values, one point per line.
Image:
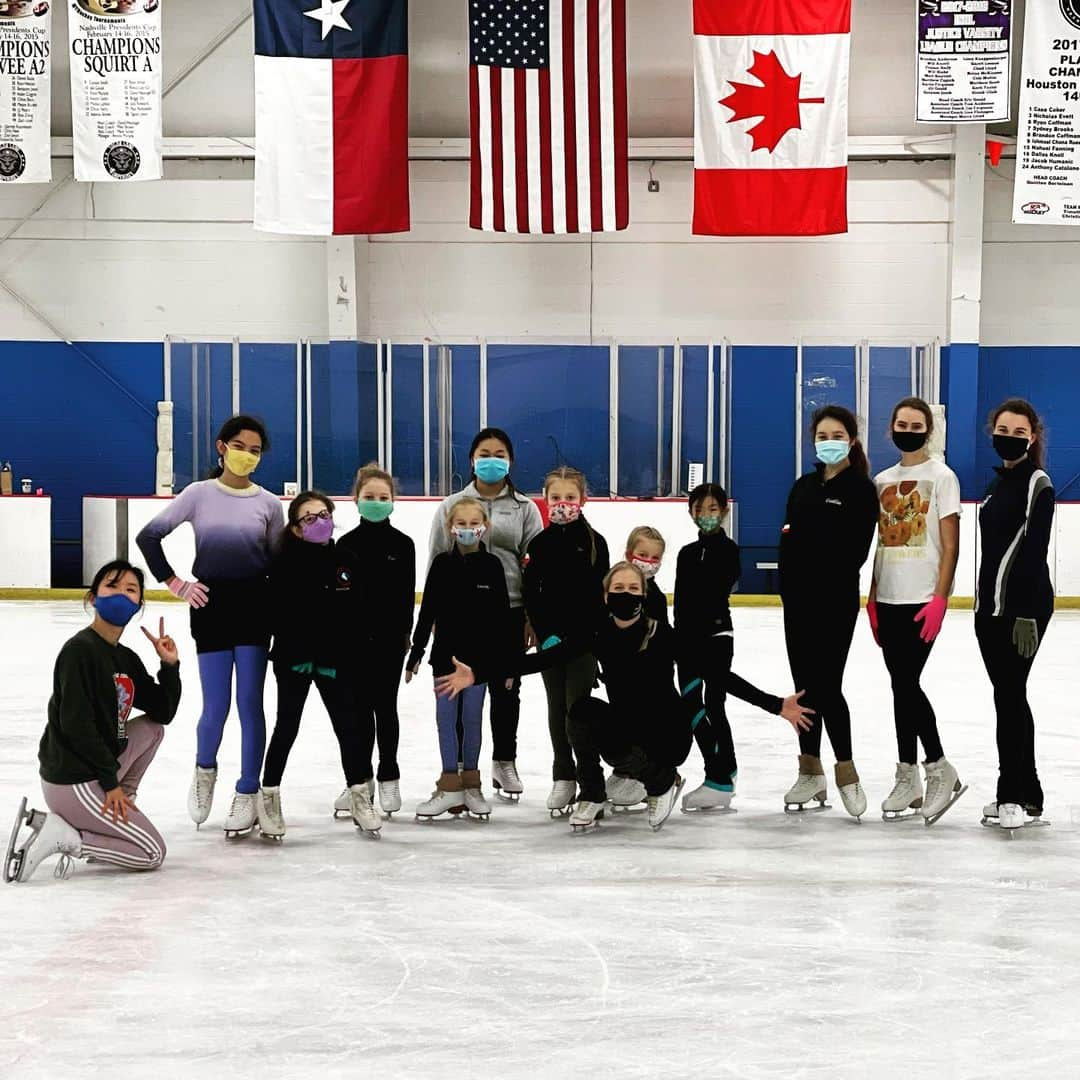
x=242 y=816
x=851 y=792
x=447 y=798
x=201 y=794
x=362 y=812
x=906 y=798
x=660 y=806
x=586 y=816
x=389 y=796
x=943 y=788
x=49 y=835
x=708 y=799
x=625 y=793
x=476 y=804
x=343 y=803
x=505 y=780
x=271 y=820
x=562 y=798
x=810 y=787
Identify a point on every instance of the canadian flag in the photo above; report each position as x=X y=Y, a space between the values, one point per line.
x=770 y=130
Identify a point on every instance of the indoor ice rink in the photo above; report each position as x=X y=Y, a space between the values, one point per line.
x=475 y=242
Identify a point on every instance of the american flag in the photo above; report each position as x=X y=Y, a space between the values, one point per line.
x=547 y=103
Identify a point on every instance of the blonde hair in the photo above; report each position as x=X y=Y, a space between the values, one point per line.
x=372 y=471
x=618 y=568
x=467 y=500
x=645 y=532
x=567 y=472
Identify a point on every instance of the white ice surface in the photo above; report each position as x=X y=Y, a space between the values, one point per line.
x=751 y=945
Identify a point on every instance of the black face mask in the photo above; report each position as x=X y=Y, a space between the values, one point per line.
x=624 y=605
x=1010 y=447
x=907 y=442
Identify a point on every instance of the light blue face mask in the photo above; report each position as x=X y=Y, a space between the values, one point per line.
x=832 y=451
x=491 y=470
x=468 y=537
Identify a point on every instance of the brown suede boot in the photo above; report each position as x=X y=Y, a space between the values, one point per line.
x=447 y=797
x=474 y=797
x=809 y=788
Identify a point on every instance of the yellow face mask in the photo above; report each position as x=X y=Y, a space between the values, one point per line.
x=240 y=462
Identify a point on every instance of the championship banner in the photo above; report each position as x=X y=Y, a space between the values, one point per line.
x=1047 y=188
x=115 y=53
x=25 y=91
x=964 y=61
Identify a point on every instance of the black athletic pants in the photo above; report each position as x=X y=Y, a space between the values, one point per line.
x=337 y=697
x=905 y=656
x=712 y=664
x=376 y=693
x=506 y=704
x=566 y=685
x=1018 y=779
x=818 y=632
x=648 y=750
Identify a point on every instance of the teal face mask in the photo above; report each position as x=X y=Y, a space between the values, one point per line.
x=708 y=523
x=832 y=451
x=491 y=470
x=373 y=510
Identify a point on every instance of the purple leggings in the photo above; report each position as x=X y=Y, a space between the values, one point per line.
x=134 y=844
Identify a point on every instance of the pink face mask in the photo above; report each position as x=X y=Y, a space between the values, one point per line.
x=319 y=531
x=564 y=513
x=648 y=567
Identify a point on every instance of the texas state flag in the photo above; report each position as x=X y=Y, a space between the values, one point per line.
x=770 y=130
x=331 y=116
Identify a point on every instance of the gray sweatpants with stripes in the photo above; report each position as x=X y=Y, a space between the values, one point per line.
x=134 y=844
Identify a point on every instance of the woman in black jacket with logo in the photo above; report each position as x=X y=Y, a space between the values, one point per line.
x=829 y=525
x=1014 y=602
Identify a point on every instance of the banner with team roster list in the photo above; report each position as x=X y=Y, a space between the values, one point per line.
x=25 y=91
x=115 y=54
x=964 y=57
x=1047 y=187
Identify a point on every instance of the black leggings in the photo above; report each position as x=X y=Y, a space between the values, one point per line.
x=649 y=750
x=566 y=685
x=712 y=664
x=376 y=695
x=506 y=704
x=818 y=633
x=1018 y=779
x=905 y=656
x=337 y=697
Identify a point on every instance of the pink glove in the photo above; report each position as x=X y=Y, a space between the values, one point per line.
x=194 y=592
x=932 y=616
x=871 y=614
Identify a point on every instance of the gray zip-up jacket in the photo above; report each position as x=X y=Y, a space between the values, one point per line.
x=514 y=521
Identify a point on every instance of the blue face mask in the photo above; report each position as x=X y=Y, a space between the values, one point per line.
x=832 y=451
x=491 y=470
x=467 y=537
x=117 y=609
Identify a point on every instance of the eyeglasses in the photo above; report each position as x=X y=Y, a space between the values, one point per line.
x=310 y=519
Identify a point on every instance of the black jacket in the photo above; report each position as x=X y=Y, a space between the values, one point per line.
x=829 y=526
x=1014 y=529
x=705 y=574
x=656 y=605
x=386 y=560
x=466 y=601
x=564 y=580
x=315 y=597
x=96 y=687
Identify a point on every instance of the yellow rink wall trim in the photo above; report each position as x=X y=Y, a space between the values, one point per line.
x=957 y=603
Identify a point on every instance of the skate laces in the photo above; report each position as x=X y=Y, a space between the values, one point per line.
x=933 y=786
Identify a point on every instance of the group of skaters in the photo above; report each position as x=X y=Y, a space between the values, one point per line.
x=507 y=597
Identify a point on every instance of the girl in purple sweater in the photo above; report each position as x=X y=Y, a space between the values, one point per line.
x=235 y=522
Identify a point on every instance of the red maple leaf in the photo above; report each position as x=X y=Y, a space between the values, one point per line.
x=776 y=101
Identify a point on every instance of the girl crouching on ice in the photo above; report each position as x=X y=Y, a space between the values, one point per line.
x=92 y=756
x=466 y=601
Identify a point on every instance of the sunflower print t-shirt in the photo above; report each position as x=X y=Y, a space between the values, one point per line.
x=912 y=502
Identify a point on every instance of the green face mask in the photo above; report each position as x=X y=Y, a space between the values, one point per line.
x=708 y=523
x=373 y=511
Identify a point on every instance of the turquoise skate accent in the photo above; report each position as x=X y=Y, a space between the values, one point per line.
x=551 y=642
x=717 y=786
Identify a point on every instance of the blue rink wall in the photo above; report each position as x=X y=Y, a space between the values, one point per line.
x=81 y=419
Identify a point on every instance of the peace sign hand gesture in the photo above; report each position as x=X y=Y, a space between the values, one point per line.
x=164 y=645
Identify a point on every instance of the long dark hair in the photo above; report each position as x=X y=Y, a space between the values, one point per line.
x=857 y=455
x=1023 y=407
x=287 y=534
x=110 y=574
x=492 y=433
x=231 y=428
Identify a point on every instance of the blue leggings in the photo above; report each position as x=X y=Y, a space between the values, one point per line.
x=467 y=712
x=215 y=673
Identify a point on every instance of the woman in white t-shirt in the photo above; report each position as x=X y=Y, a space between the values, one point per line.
x=914 y=567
